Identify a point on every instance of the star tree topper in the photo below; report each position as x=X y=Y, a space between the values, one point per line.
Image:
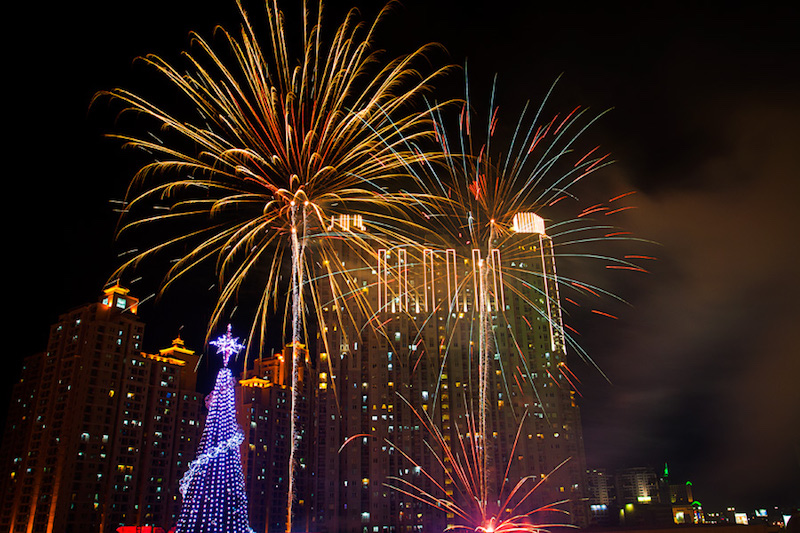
x=227 y=345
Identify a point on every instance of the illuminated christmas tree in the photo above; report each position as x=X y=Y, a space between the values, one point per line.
x=213 y=488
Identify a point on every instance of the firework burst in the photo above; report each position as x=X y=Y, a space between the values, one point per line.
x=490 y=202
x=461 y=494
x=490 y=232
x=280 y=150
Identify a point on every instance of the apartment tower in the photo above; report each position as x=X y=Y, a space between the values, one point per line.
x=410 y=355
x=98 y=432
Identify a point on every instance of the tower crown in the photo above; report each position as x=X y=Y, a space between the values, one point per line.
x=117 y=297
x=528 y=223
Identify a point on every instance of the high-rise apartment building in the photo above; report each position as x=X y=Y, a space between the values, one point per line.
x=98 y=432
x=419 y=339
x=264 y=405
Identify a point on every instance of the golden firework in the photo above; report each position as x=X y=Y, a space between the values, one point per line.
x=268 y=148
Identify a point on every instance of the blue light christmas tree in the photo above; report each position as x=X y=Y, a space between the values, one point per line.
x=213 y=493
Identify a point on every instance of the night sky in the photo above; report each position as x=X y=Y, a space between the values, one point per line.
x=704 y=364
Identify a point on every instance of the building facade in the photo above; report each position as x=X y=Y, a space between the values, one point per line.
x=264 y=409
x=409 y=358
x=98 y=432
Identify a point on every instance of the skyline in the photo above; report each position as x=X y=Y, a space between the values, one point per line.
x=684 y=313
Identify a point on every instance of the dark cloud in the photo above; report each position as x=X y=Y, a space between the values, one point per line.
x=707 y=367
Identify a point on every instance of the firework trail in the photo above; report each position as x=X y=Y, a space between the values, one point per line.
x=281 y=141
x=298 y=250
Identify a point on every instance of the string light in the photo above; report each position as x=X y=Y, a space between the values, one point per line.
x=213 y=493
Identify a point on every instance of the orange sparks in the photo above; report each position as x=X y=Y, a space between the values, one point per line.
x=584 y=287
x=595 y=311
x=475 y=188
x=621 y=209
x=623 y=267
x=565 y=120
x=587 y=155
x=592 y=210
x=494 y=121
x=516 y=378
x=622 y=196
